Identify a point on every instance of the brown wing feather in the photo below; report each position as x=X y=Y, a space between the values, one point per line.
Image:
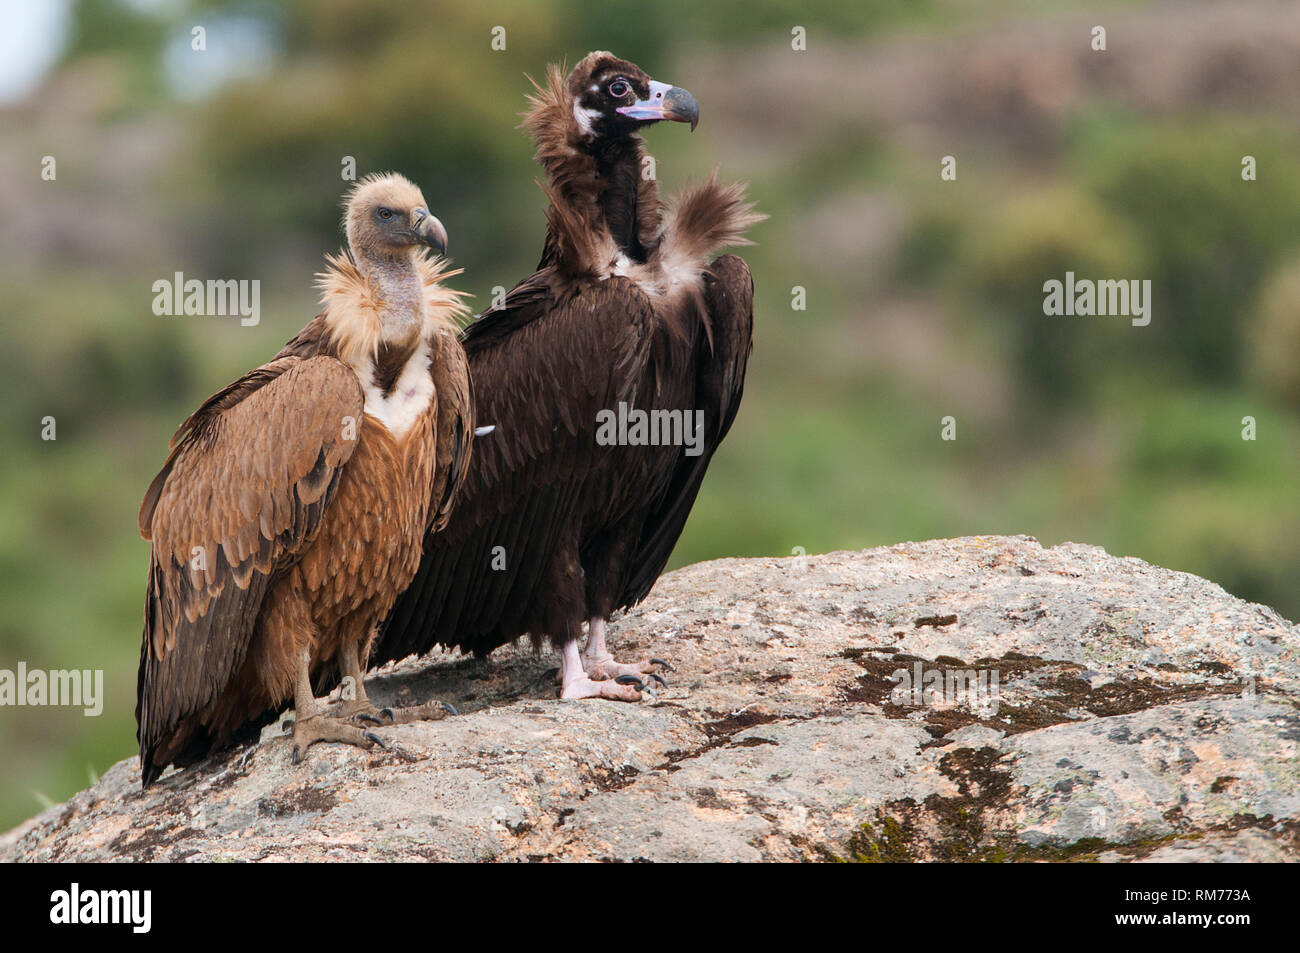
x=240 y=496
x=454 y=423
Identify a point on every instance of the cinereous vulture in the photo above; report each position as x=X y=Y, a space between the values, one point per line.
x=612 y=374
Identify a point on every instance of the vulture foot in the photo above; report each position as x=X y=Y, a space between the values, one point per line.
x=430 y=711
x=602 y=668
x=361 y=711
x=626 y=688
x=575 y=682
x=308 y=731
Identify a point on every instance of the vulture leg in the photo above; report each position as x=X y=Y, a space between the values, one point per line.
x=311 y=726
x=575 y=683
x=361 y=708
x=600 y=665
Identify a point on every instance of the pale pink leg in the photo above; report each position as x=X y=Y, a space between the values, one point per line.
x=599 y=661
x=577 y=684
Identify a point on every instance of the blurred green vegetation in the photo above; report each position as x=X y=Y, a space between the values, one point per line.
x=924 y=298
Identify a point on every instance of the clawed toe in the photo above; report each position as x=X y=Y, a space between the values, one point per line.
x=430 y=711
x=309 y=731
x=623 y=688
x=605 y=667
x=634 y=680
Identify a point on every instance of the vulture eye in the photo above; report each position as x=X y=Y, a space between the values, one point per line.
x=385 y=213
x=618 y=89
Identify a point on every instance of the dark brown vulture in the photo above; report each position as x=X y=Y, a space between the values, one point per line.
x=293 y=506
x=558 y=523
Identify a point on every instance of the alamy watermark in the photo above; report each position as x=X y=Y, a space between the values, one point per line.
x=74 y=906
x=58 y=688
x=1129 y=298
x=633 y=427
x=216 y=297
x=919 y=687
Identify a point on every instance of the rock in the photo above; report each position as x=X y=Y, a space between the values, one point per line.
x=1126 y=712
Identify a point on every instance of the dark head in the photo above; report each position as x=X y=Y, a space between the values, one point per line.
x=386 y=217
x=613 y=98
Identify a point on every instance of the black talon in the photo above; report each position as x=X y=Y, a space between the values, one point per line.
x=659 y=661
x=630 y=680
x=366 y=716
x=371 y=736
x=658 y=678
x=449 y=708
x=297 y=755
x=389 y=713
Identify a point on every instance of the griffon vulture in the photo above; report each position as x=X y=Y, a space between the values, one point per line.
x=558 y=523
x=294 y=504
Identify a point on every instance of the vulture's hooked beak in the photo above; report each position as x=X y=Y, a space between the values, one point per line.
x=428 y=230
x=665 y=102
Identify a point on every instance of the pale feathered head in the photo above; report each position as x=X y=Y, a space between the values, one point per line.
x=385 y=216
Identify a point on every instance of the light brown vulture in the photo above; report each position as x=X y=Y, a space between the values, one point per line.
x=293 y=506
x=626 y=312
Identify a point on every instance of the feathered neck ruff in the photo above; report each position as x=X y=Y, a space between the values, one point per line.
x=354 y=303
x=593 y=186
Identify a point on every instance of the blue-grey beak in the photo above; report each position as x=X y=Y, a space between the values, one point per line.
x=664 y=102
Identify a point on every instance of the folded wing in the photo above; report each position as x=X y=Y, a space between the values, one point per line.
x=544 y=365
x=721 y=359
x=240 y=497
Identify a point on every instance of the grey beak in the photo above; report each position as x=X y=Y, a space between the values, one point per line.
x=680 y=106
x=428 y=230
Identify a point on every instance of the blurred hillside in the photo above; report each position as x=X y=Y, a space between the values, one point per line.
x=924 y=297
